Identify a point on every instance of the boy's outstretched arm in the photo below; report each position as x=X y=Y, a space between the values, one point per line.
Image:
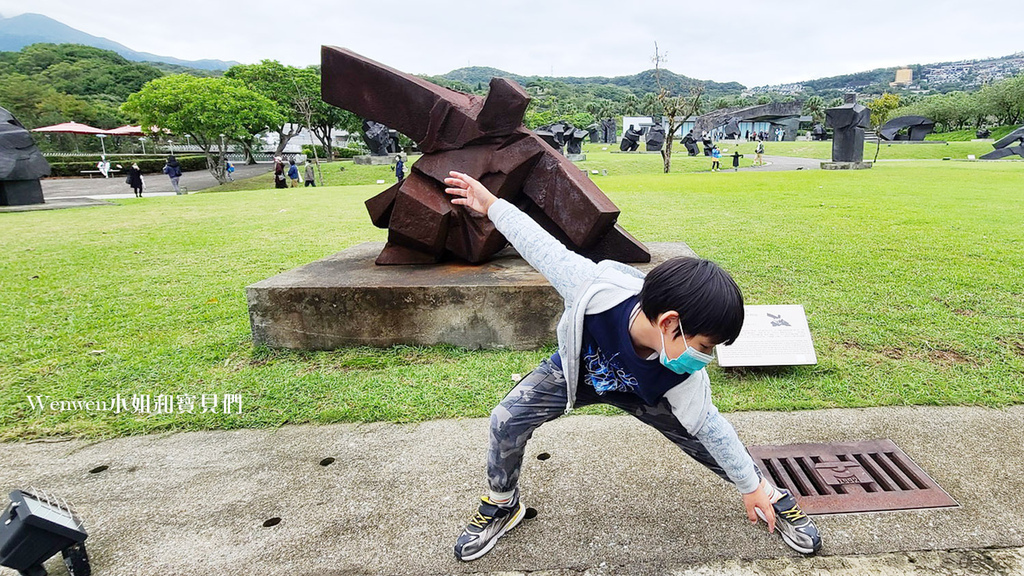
x=563 y=268
x=691 y=404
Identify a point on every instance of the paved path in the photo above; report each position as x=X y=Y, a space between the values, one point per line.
x=156 y=184
x=613 y=498
x=780 y=163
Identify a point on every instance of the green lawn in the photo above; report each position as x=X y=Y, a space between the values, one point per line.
x=929 y=151
x=911 y=275
x=997 y=133
x=607 y=157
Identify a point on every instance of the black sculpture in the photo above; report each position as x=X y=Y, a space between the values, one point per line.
x=732 y=128
x=705 y=139
x=690 y=144
x=594 y=132
x=630 y=140
x=574 y=140
x=555 y=134
x=379 y=139
x=848 y=123
x=917 y=128
x=608 y=131
x=1003 y=148
x=983 y=133
x=655 y=138
x=21 y=164
x=818 y=132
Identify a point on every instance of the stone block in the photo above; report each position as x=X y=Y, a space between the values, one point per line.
x=845 y=165
x=369 y=160
x=346 y=300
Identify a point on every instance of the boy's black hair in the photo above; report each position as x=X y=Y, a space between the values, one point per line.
x=706 y=297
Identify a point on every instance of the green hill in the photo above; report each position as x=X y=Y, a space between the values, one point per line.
x=637 y=84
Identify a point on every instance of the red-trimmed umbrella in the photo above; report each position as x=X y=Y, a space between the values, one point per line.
x=76 y=128
x=71 y=128
x=126 y=131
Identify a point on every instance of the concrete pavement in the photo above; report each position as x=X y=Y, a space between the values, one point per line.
x=613 y=498
x=156 y=184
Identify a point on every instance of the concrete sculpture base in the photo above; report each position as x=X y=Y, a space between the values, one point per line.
x=346 y=300
x=845 y=165
x=374 y=160
x=20 y=192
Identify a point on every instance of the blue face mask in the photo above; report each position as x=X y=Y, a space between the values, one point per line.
x=689 y=362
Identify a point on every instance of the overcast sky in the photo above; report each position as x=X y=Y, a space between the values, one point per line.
x=753 y=42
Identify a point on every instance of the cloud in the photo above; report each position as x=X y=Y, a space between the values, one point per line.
x=750 y=41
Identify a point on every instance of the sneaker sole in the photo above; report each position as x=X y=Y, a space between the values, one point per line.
x=512 y=524
x=789 y=541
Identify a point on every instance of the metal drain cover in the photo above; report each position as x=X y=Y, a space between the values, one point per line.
x=837 y=478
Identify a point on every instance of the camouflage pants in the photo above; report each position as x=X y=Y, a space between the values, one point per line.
x=541 y=397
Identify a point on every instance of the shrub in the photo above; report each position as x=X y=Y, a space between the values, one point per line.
x=348 y=152
x=147 y=165
x=320 y=152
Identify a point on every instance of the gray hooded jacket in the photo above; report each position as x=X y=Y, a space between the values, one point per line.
x=589 y=288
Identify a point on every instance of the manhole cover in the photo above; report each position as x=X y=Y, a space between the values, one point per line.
x=868 y=476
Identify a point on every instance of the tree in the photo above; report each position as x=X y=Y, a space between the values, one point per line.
x=209 y=110
x=881 y=109
x=651 y=105
x=630 y=105
x=325 y=118
x=678 y=109
x=276 y=82
x=815 y=108
x=1005 y=99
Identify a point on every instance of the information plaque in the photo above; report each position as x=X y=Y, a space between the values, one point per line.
x=771 y=336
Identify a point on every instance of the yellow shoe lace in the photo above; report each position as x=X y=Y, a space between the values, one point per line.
x=794 y=513
x=480 y=521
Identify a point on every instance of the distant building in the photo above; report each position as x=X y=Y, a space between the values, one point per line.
x=904 y=77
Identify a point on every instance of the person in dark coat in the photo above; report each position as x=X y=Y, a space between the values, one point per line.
x=293 y=173
x=134 y=179
x=279 y=178
x=400 y=169
x=736 y=160
x=173 y=170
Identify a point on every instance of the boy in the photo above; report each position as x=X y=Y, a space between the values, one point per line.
x=640 y=344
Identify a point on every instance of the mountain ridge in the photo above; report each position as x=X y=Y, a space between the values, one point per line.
x=639 y=83
x=19 y=31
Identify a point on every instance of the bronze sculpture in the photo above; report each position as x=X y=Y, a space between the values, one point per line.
x=482 y=137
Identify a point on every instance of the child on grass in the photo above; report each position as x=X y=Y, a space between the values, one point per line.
x=638 y=343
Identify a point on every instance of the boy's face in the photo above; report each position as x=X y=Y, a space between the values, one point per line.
x=675 y=346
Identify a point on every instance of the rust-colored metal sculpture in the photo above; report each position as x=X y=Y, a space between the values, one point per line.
x=482 y=137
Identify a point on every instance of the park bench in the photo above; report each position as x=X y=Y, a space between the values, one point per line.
x=91 y=172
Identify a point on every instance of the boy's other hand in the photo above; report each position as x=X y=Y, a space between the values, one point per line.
x=469 y=192
x=759 y=500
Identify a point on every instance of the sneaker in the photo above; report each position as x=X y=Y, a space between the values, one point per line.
x=490 y=523
x=796 y=528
